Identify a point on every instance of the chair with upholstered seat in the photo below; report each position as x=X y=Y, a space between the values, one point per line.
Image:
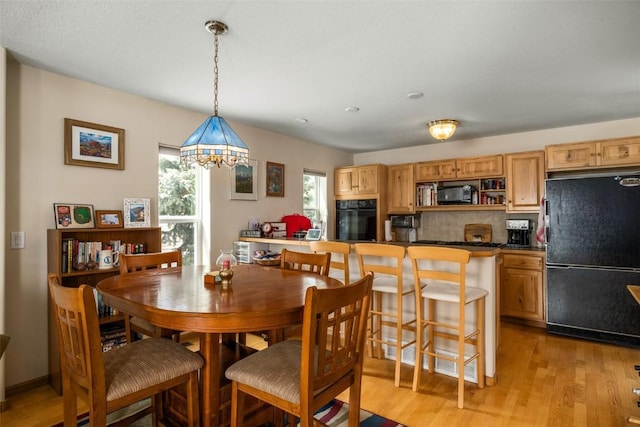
x=299 y=377
x=440 y=277
x=119 y=377
x=142 y=262
x=339 y=266
x=387 y=322
x=304 y=261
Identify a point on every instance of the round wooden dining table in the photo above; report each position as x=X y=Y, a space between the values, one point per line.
x=259 y=298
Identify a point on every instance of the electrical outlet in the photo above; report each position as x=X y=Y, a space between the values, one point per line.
x=17 y=240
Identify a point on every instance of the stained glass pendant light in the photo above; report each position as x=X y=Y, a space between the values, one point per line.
x=442 y=129
x=214 y=142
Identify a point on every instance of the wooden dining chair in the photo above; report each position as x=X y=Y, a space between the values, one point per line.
x=299 y=377
x=339 y=268
x=387 y=323
x=142 y=262
x=440 y=277
x=119 y=377
x=304 y=261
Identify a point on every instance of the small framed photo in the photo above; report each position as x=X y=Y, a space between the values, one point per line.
x=109 y=219
x=137 y=212
x=69 y=215
x=275 y=179
x=244 y=181
x=93 y=145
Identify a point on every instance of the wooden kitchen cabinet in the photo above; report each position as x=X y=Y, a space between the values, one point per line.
x=359 y=180
x=467 y=168
x=435 y=171
x=401 y=189
x=525 y=181
x=522 y=294
x=479 y=167
x=594 y=154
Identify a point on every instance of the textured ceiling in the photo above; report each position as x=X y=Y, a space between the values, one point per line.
x=498 y=67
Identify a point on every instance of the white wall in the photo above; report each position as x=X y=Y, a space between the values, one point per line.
x=37 y=103
x=3 y=179
x=501 y=144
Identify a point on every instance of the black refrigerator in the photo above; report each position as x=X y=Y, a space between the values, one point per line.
x=593 y=253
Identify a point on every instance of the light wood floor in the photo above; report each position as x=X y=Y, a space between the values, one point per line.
x=543 y=380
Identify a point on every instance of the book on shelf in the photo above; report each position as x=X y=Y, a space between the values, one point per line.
x=112 y=336
x=427 y=194
x=103 y=309
x=76 y=255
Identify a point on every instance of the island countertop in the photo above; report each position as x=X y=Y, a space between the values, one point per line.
x=476 y=251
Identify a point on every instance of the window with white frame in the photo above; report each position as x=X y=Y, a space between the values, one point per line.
x=314 y=196
x=179 y=205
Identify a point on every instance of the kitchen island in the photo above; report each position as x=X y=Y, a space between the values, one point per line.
x=482 y=271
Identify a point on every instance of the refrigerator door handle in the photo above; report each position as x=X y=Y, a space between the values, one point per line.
x=547 y=230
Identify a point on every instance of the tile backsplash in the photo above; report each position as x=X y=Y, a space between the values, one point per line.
x=450 y=225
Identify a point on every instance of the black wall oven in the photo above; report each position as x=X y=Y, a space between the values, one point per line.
x=356 y=219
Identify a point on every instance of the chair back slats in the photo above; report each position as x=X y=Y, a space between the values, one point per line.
x=421 y=255
x=335 y=323
x=78 y=327
x=380 y=258
x=339 y=255
x=315 y=263
x=155 y=260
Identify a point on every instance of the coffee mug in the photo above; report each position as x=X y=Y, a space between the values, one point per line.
x=108 y=259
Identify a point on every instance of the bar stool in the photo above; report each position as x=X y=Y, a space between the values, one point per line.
x=385 y=261
x=432 y=266
x=339 y=258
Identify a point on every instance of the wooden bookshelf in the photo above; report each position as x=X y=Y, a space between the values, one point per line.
x=150 y=236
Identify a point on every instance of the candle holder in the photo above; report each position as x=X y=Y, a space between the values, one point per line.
x=226 y=275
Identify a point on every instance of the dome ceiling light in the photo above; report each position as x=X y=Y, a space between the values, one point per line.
x=442 y=129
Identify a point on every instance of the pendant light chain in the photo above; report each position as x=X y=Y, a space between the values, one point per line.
x=215 y=74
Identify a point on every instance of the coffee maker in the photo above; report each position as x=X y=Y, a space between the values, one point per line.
x=519 y=233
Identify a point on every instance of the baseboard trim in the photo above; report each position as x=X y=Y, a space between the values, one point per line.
x=26 y=386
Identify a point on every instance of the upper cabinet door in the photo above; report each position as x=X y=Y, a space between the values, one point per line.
x=345 y=181
x=435 y=171
x=367 y=179
x=480 y=167
x=572 y=156
x=401 y=189
x=525 y=181
x=624 y=151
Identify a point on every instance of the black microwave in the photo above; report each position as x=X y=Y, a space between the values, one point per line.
x=458 y=195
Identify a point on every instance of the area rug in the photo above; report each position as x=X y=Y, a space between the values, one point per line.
x=334 y=414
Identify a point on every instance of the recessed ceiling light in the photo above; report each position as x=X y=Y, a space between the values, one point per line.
x=352 y=109
x=415 y=95
x=300 y=120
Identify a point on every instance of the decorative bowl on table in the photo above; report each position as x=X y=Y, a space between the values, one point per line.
x=266 y=258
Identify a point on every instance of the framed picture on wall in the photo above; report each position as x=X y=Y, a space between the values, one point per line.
x=243 y=181
x=137 y=212
x=70 y=215
x=275 y=179
x=109 y=219
x=93 y=145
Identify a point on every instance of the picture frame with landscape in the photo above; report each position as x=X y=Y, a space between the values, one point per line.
x=93 y=145
x=243 y=181
x=137 y=212
x=109 y=219
x=71 y=215
x=275 y=179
